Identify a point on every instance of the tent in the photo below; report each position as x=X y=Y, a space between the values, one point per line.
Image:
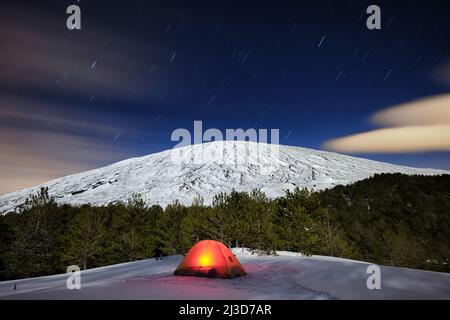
x=209 y=258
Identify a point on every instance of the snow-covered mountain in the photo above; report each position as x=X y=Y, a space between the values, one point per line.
x=207 y=169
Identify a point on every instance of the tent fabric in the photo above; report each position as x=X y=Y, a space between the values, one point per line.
x=209 y=258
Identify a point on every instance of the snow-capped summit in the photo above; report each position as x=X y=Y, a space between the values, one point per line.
x=208 y=169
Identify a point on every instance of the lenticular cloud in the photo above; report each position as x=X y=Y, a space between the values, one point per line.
x=418 y=126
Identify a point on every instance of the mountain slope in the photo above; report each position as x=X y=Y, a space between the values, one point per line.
x=208 y=169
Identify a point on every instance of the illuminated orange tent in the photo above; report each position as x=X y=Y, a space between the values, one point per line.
x=209 y=258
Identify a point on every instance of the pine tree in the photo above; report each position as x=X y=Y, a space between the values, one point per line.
x=260 y=222
x=84 y=241
x=33 y=250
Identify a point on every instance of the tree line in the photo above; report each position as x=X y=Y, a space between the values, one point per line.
x=390 y=219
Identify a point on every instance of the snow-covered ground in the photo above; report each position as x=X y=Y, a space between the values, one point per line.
x=286 y=276
x=208 y=169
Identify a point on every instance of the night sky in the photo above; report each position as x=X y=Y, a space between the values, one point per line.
x=137 y=70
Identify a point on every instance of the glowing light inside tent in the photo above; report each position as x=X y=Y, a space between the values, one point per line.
x=205 y=259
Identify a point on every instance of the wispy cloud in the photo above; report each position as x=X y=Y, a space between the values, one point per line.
x=49 y=77
x=36 y=54
x=40 y=141
x=395 y=140
x=30 y=112
x=31 y=156
x=427 y=111
x=419 y=126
